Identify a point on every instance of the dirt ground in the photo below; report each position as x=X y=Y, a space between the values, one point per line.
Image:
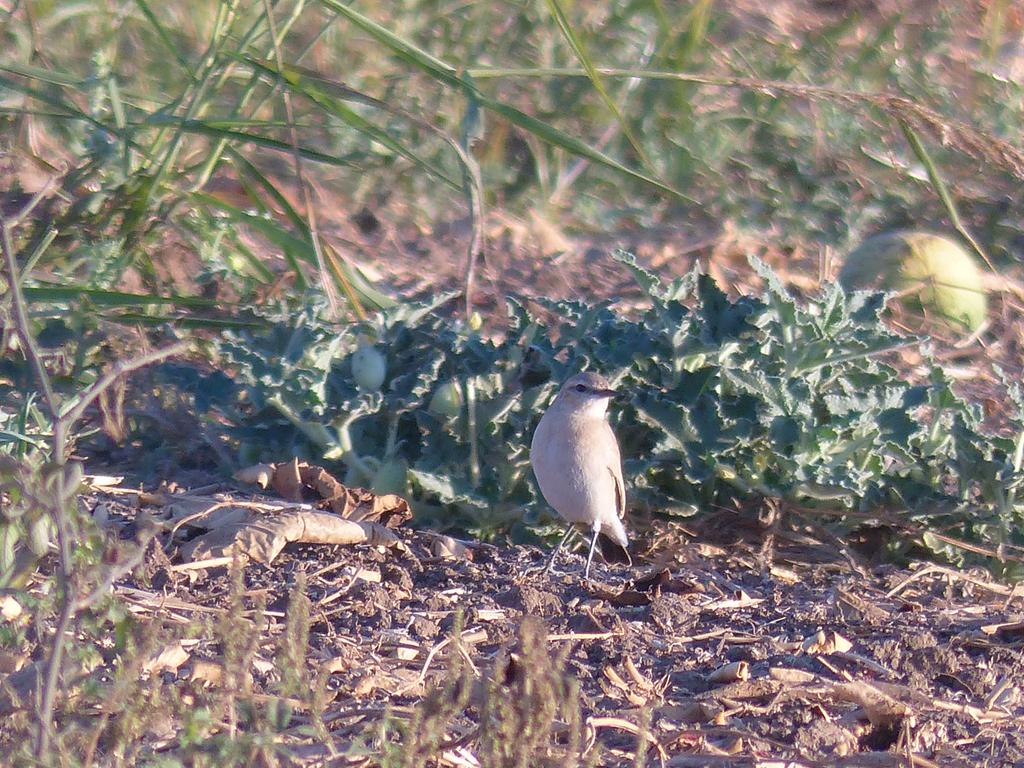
x=783 y=648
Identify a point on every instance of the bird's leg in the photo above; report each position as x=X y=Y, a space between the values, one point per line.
x=554 y=554
x=590 y=556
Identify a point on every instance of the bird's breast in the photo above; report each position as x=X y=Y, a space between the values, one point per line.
x=572 y=471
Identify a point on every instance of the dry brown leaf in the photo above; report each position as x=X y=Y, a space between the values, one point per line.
x=730 y=673
x=168 y=658
x=291 y=479
x=263 y=537
x=826 y=642
x=203 y=512
x=287 y=480
x=258 y=474
x=450 y=549
x=209 y=673
x=389 y=510
x=326 y=485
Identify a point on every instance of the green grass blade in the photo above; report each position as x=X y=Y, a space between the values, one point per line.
x=560 y=139
x=46 y=292
x=189 y=321
x=42 y=75
x=935 y=178
x=698 y=19
x=72 y=112
x=401 y=47
x=165 y=38
x=595 y=79
x=210 y=128
x=250 y=172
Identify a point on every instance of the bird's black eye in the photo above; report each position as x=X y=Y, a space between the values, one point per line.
x=580 y=387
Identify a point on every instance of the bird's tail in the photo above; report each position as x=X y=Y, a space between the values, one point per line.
x=613 y=552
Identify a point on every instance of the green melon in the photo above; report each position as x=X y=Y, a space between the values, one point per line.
x=932 y=272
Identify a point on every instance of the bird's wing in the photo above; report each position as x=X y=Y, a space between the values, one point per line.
x=615 y=467
x=620 y=491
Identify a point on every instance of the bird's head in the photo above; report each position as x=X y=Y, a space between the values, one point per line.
x=587 y=393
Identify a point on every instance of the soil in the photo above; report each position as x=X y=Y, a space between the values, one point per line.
x=777 y=647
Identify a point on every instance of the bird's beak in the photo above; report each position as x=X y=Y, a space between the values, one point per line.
x=607 y=392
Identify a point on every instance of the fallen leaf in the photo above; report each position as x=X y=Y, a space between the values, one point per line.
x=287 y=480
x=826 y=642
x=10 y=608
x=623 y=597
x=258 y=474
x=291 y=479
x=209 y=673
x=730 y=673
x=450 y=549
x=169 y=658
x=262 y=537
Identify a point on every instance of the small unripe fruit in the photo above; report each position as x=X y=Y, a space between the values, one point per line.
x=369 y=368
x=447 y=400
x=39 y=536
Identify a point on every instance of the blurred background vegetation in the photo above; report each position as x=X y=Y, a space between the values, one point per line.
x=168 y=129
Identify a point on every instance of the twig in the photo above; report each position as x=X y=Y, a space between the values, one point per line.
x=120 y=369
x=438 y=647
x=573 y=636
x=998 y=589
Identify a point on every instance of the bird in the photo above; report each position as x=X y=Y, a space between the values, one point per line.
x=575 y=458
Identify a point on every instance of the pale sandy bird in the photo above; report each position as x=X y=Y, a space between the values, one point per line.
x=576 y=460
